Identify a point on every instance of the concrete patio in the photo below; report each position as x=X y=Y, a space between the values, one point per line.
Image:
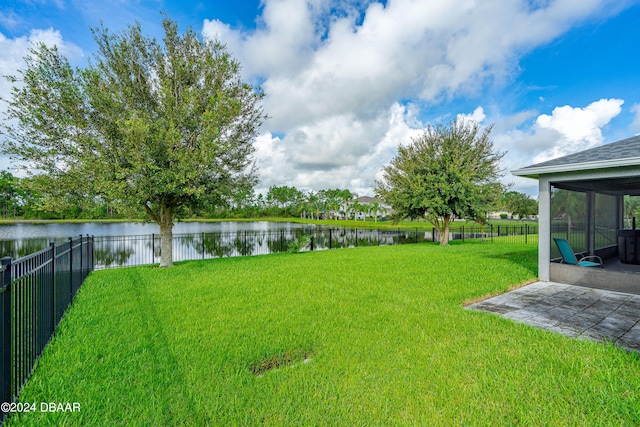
x=571 y=310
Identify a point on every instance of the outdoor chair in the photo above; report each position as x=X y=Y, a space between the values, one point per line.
x=569 y=257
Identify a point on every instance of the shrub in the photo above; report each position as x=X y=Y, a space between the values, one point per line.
x=299 y=245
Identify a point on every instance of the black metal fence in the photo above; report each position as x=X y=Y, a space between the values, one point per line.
x=35 y=291
x=119 y=251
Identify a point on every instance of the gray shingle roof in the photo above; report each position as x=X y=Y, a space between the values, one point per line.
x=367 y=199
x=624 y=149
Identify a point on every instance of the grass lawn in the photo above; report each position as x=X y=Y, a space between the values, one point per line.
x=367 y=336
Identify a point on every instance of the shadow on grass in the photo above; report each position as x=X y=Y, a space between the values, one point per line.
x=526 y=259
x=523 y=258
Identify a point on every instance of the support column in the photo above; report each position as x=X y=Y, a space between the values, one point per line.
x=619 y=212
x=544 y=228
x=591 y=222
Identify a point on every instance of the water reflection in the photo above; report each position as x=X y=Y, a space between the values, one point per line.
x=19 y=231
x=20 y=248
x=115 y=251
x=138 y=250
x=19 y=239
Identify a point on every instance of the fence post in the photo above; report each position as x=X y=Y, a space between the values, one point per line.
x=329 y=238
x=70 y=270
x=244 y=245
x=433 y=234
x=92 y=252
x=81 y=266
x=416 y=236
x=203 y=245
x=526 y=236
x=5 y=333
x=52 y=246
x=311 y=243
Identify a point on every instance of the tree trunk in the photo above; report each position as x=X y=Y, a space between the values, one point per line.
x=163 y=216
x=444 y=232
x=166 y=235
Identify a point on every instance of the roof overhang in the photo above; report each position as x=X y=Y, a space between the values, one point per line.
x=611 y=186
x=535 y=172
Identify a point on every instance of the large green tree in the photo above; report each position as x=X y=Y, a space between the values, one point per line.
x=9 y=195
x=284 y=200
x=631 y=207
x=148 y=124
x=520 y=204
x=449 y=171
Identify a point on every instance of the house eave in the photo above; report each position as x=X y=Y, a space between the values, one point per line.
x=535 y=172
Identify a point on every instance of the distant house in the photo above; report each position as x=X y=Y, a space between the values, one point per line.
x=498 y=214
x=368 y=202
x=506 y=214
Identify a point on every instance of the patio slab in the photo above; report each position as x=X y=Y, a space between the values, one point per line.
x=572 y=310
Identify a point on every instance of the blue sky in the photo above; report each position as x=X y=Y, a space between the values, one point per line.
x=347 y=81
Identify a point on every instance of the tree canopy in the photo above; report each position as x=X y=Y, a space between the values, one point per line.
x=147 y=125
x=631 y=206
x=450 y=171
x=520 y=204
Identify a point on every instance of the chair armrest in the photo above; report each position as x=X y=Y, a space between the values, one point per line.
x=592 y=257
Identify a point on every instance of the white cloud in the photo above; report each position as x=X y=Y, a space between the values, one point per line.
x=477 y=115
x=334 y=81
x=565 y=131
x=408 y=49
x=283 y=43
x=340 y=152
x=14 y=51
x=9 y=19
x=12 y=60
x=577 y=129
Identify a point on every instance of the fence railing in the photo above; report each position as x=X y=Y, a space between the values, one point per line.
x=35 y=291
x=119 y=251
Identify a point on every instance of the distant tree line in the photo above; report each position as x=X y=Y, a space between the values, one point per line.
x=24 y=198
x=20 y=199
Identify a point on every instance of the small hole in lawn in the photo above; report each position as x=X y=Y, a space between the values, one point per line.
x=287 y=358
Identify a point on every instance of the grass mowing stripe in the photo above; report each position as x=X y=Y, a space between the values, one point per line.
x=382 y=329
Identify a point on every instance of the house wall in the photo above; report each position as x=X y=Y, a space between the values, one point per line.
x=544 y=228
x=593 y=277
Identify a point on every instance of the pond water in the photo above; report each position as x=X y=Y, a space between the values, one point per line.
x=62 y=231
x=127 y=244
x=20 y=239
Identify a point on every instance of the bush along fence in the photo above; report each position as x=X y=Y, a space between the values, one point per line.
x=118 y=251
x=35 y=291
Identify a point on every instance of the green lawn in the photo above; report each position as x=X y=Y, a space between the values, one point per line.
x=367 y=336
